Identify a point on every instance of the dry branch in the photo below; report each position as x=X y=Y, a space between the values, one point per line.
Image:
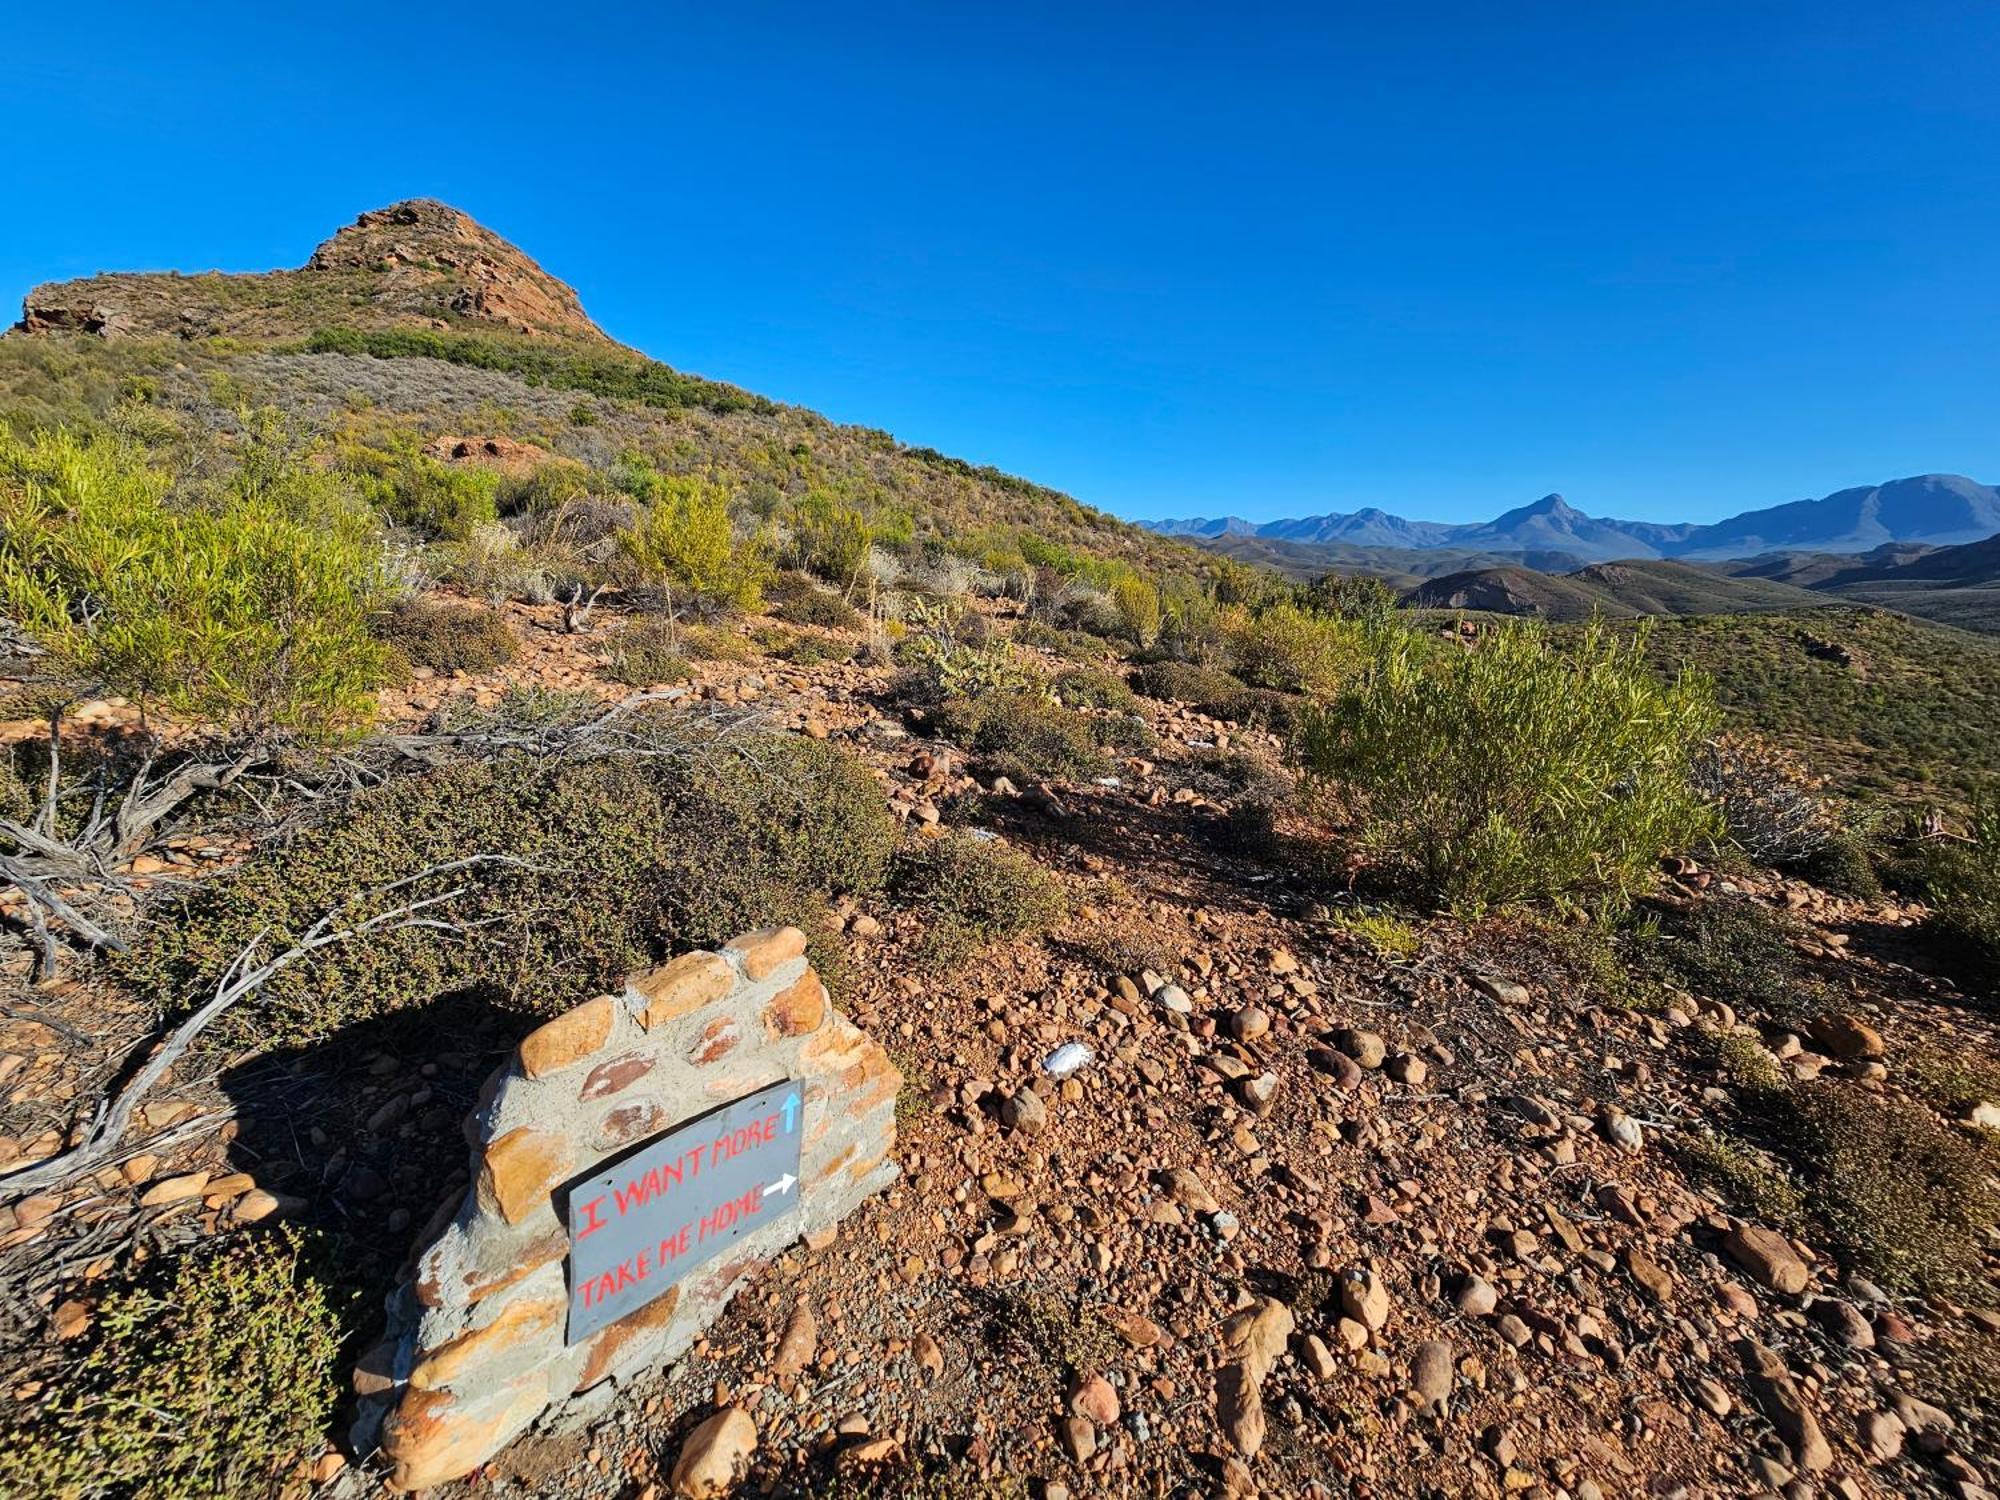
x=113 y=1117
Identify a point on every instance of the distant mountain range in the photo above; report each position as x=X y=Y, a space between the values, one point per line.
x=1937 y=510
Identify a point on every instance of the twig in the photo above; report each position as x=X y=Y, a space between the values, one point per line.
x=110 y=1120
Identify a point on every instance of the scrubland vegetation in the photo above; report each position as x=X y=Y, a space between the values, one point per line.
x=251 y=543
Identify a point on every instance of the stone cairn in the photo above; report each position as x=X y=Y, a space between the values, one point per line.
x=475 y=1349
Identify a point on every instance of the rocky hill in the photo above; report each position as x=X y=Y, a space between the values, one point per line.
x=1615 y=590
x=419 y=263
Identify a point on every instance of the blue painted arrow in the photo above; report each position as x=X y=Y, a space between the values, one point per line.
x=789 y=1109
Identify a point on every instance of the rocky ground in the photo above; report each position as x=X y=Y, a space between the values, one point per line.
x=1307 y=1221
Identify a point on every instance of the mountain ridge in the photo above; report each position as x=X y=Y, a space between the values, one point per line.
x=1931 y=509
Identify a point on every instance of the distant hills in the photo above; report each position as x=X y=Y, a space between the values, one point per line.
x=1937 y=510
x=1951 y=585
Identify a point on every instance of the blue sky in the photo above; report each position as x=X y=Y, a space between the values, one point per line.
x=1671 y=260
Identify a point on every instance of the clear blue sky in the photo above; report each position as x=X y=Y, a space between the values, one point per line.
x=1672 y=260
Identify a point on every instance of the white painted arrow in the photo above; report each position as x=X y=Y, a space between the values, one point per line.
x=782 y=1185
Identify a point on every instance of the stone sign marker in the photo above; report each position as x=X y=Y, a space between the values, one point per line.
x=722 y=1089
x=637 y=1229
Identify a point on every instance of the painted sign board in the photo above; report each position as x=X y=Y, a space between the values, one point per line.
x=637 y=1226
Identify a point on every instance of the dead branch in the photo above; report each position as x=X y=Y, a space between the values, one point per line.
x=112 y=1118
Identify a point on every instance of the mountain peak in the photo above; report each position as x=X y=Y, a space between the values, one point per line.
x=418 y=263
x=1551 y=504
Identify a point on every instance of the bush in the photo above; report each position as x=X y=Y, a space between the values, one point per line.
x=1390 y=937
x=446 y=502
x=797 y=600
x=1963 y=883
x=1773 y=811
x=1293 y=650
x=1742 y=1174
x=250 y=615
x=448 y=637
x=647 y=653
x=216 y=1384
x=1084 y=687
x=1507 y=773
x=1908 y=1198
x=830 y=540
x=1733 y=950
x=1138 y=606
x=683 y=538
x=622 y=859
x=1026 y=737
x=973 y=891
x=1204 y=689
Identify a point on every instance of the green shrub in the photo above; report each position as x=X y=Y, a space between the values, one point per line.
x=448 y=637
x=1742 y=1174
x=1138 y=606
x=797 y=600
x=1293 y=650
x=1355 y=596
x=830 y=540
x=973 y=891
x=1734 y=950
x=1027 y=737
x=1391 y=937
x=1906 y=1197
x=1205 y=689
x=1952 y=1080
x=647 y=653
x=683 y=538
x=1844 y=865
x=552 y=362
x=215 y=1384
x=1085 y=687
x=250 y=614
x=1963 y=883
x=621 y=860
x=1508 y=773
x=446 y=502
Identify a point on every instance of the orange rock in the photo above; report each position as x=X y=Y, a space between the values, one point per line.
x=764 y=953
x=430 y=1438
x=797 y=1010
x=520 y=1170
x=610 y=1342
x=717 y=1040
x=570 y=1037
x=516 y=1323
x=174 y=1189
x=682 y=987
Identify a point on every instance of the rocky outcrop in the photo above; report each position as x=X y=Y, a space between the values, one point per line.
x=476 y=1350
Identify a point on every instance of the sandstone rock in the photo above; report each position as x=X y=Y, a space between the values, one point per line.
x=1476 y=1297
x=1431 y=1372
x=1257 y=1335
x=1844 y=1321
x=1093 y=1399
x=1188 y=1190
x=570 y=1037
x=174 y=1189
x=1881 y=1435
x=1364 y=1298
x=682 y=987
x=1239 y=1409
x=1621 y=1129
x=715 y=1456
x=762 y=954
x=1408 y=1069
x=1365 y=1047
x=1776 y=1392
x=1768 y=1257
x=1078 y=1438
x=799 y=1342
x=1845 y=1036
x=1249 y=1023
x=1024 y=1111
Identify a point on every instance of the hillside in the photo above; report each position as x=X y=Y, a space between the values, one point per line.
x=1952 y=585
x=1891 y=707
x=416 y=325
x=466 y=786
x=1614 y=590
